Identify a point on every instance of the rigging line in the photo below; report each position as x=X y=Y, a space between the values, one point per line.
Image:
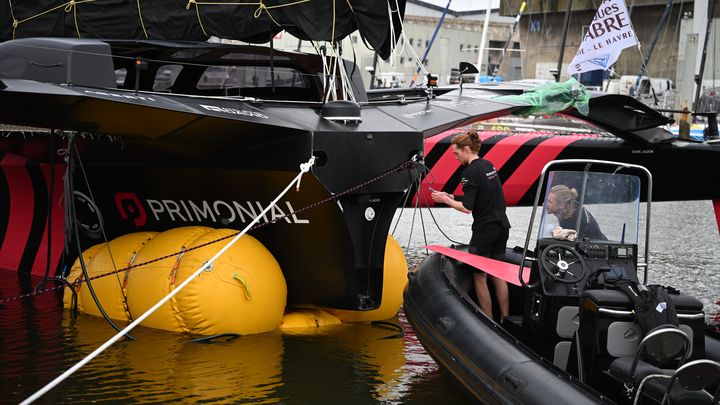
x=403 y=38
x=330 y=91
x=142 y=23
x=12 y=14
x=402 y=209
x=428 y=171
x=422 y=219
x=392 y=32
x=406 y=43
x=339 y=84
x=663 y=20
x=412 y=223
x=676 y=38
x=105 y=238
x=352 y=47
x=70 y=187
x=67 y=6
x=647 y=73
x=347 y=83
x=441 y=230
x=304 y=168
x=51 y=192
x=438 y=225
x=74 y=10
x=332 y=85
x=341 y=69
x=322 y=51
x=663 y=44
x=197 y=12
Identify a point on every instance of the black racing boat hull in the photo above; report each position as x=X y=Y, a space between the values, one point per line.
x=329 y=245
x=489 y=363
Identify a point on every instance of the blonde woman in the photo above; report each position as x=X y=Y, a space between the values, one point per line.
x=562 y=202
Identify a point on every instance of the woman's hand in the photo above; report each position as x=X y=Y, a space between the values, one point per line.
x=441 y=197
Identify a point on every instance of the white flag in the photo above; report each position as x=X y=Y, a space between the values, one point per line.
x=610 y=32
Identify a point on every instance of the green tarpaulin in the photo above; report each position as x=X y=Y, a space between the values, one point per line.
x=551 y=98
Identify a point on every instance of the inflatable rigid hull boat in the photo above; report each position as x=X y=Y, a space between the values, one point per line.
x=572 y=335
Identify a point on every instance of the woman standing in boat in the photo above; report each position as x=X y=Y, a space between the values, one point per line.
x=483 y=196
x=562 y=202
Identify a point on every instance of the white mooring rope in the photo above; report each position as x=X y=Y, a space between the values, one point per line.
x=304 y=168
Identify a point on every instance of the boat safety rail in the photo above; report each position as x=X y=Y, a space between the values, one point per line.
x=73 y=284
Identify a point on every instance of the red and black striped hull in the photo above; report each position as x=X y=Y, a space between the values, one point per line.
x=27 y=236
x=689 y=170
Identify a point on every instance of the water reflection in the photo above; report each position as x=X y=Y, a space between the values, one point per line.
x=163 y=367
x=359 y=363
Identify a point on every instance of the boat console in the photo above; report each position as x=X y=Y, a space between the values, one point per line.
x=565 y=270
x=568 y=268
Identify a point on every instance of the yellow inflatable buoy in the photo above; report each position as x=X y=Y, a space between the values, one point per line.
x=101 y=259
x=75 y=275
x=242 y=292
x=395 y=271
x=307 y=318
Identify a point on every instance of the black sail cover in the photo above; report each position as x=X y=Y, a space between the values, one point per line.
x=197 y=20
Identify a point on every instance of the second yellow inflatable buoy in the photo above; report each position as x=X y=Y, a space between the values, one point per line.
x=307 y=318
x=242 y=292
x=395 y=270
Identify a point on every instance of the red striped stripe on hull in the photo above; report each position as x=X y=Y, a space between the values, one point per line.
x=21 y=208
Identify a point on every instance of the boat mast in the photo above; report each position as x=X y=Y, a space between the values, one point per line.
x=712 y=125
x=566 y=23
x=483 y=37
x=699 y=76
x=512 y=31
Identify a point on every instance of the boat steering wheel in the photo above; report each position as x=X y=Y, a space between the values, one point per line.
x=563 y=264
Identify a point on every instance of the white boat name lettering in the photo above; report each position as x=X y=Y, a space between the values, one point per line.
x=128 y=96
x=417 y=113
x=220 y=211
x=235 y=111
